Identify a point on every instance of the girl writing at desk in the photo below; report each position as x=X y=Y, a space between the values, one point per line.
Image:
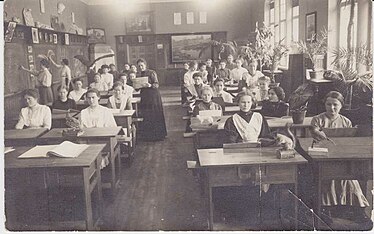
x=275 y=106
x=119 y=100
x=96 y=116
x=34 y=115
x=337 y=193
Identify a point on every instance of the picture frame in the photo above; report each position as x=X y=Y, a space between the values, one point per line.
x=10 y=31
x=35 y=35
x=187 y=47
x=29 y=49
x=67 y=39
x=31 y=58
x=96 y=35
x=139 y=23
x=310 y=26
x=55 y=38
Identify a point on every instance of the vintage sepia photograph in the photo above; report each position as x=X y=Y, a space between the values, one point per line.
x=187 y=116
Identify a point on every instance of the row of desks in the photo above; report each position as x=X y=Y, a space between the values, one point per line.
x=350 y=158
x=85 y=168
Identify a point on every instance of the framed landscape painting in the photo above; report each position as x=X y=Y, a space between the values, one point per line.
x=190 y=47
x=139 y=23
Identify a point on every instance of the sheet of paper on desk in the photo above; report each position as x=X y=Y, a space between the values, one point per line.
x=207 y=113
x=39 y=151
x=8 y=149
x=139 y=82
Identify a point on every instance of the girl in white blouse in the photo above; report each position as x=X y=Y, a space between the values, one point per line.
x=96 y=116
x=78 y=92
x=34 y=115
x=119 y=100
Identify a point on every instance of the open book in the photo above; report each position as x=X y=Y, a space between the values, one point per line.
x=66 y=149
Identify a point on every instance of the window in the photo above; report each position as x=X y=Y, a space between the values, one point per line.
x=345 y=12
x=295 y=20
x=282 y=19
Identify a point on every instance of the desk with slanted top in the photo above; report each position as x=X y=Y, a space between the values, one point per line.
x=351 y=158
x=124 y=118
x=23 y=137
x=222 y=168
x=82 y=104
x=94 y=136
x=31 y=199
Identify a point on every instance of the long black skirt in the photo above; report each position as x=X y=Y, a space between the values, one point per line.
x=153 y=127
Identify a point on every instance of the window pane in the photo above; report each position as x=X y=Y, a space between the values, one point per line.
x=295 y=29
x=276 y=33
x=344 y=20
x=295 y=11
x=282 y=10
x=272 y=15
x=282 y=30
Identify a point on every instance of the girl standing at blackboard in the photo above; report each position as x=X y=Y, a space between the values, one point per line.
x=65 y=72
x=44 y=82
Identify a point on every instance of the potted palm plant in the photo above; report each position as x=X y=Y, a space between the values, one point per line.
x=299 y=102
x=315 y=50
x=276 y=54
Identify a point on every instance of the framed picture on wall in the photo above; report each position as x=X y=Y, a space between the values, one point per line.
x=35 y=35
x=188 y=47
x=310 y=26
x=67 y=42
x=138 y=23
x=96 y=35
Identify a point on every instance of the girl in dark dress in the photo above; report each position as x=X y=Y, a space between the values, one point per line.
x=153 y=127
x=63 y=102
x=275 y=106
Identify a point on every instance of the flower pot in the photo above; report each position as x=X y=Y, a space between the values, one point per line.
x=316 y=75
x=298 y=116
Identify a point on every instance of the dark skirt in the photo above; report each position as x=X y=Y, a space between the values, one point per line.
x=153 y=127
x=46 y=95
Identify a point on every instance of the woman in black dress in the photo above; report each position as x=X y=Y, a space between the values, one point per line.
x=153 y=127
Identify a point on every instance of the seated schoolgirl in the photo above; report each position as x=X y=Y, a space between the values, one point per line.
x=119 y=100
x=275 y=106
x=223 y=72
x=95 y=115
x=99 y=83
x=34 y=115
x=127 y=89
x=204 y=72
x=78 y=92
x=206 y=104
x=343 y=195
x=63 y=102
x=199 y=83
x=263 y=86
x=219 y=85
x=246 y=126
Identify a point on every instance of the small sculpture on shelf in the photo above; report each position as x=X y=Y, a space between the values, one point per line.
x=288 y=144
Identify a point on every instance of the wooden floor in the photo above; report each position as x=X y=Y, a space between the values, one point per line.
x=158 y=193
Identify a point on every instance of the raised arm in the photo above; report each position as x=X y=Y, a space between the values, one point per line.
x=35 y=73
x=54 y=63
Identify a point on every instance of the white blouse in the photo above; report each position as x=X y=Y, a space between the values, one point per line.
x=75 y=95
x=97 y=117
x=236 y=74
x=108 y=79
x=38 y=117
x=225 y=95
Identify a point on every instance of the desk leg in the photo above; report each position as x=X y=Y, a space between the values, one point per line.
x=87 y=199
x=211 y=208
x=296 y=200
x=318 y=201
x=99 y=186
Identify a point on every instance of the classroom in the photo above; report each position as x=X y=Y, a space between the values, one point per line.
x=187 y=115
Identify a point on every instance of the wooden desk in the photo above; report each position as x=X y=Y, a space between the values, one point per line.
x=94 y=136
x=221 y=169
x=230 y=110
x=22 y=180
x=23 y=137
x=351 y=158
x=82 y=104
x=124 y=119
x=135 y=105
x=59 y=118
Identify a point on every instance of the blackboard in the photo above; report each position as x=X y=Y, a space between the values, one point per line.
x=15 y=80
x=43 y=50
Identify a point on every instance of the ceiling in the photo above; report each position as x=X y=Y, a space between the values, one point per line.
x=108 y=2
